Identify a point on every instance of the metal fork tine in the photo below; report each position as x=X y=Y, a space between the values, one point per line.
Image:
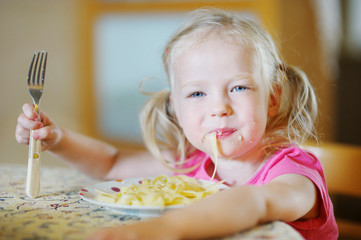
x=31 y=69
x=35 y=67
x=44 y=68
x=38 y=73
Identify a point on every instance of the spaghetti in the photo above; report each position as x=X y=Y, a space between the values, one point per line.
x=161 y=191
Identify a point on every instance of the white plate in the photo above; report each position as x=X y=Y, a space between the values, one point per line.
x=112 y=187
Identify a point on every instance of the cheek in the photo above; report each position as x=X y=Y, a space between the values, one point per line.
x=187 y=114
x=191 y=124
x=188 y=121
x=254 y=119
x=260 y=111
x=259 y=119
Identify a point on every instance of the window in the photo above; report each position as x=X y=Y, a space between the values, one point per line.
x=128 y=49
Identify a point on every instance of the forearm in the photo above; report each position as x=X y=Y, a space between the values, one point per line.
x=94 y=158
x=225 y=213
x=287 y=198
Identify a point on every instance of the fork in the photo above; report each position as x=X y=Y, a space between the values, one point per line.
x=35 y=84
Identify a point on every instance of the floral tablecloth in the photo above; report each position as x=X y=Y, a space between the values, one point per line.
x=59 y=212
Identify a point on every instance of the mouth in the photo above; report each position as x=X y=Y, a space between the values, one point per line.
x=222 y=133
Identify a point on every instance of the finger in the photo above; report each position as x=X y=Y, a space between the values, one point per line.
x=21 y=135
x=22 y=132
x=25 y=122
x=45 y=119
x=43 y=135
x=29 y=111
x=49 y=134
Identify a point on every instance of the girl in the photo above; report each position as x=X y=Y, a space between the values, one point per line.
x=226 y=78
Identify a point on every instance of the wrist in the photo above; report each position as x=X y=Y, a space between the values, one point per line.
x=58 y=137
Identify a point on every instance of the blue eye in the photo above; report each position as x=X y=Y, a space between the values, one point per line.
x=238 y=89
x=197 y=94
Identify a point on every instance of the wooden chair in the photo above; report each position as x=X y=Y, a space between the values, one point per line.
x=342 y=167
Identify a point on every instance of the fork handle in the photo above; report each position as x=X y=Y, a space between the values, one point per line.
x=33 y=174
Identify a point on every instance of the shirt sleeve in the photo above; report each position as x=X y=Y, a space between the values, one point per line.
x=296 y=161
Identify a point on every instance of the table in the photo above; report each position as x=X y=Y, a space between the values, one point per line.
x=59 y=212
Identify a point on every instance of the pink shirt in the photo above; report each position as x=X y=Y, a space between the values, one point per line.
x=290 y=160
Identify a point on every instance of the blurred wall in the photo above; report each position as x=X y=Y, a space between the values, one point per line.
x=305 y=43
x=26 y=26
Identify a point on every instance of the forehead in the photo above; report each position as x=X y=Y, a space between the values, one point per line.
x=214 y=54
x=202 y=37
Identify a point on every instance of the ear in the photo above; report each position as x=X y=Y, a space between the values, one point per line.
x=274 y=101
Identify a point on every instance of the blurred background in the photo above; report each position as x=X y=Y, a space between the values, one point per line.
x=99 y=52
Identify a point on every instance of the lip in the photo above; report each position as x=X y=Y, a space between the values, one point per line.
x=222 y=133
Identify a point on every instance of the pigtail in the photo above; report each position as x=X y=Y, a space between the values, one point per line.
x=161 y=131
x=298 y=105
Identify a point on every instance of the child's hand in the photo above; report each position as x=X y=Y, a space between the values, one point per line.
x=46 y=130
x=146 y=230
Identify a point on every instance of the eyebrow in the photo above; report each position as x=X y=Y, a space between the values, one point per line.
x=237 y=77
x=249 y=78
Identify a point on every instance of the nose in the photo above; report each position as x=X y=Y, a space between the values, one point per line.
x=221 y=108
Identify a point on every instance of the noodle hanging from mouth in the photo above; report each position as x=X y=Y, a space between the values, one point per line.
x=213 y=140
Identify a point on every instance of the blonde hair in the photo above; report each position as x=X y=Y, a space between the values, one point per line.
x=294 y=122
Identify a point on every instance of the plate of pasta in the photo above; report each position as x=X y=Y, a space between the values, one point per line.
x=149 y=196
